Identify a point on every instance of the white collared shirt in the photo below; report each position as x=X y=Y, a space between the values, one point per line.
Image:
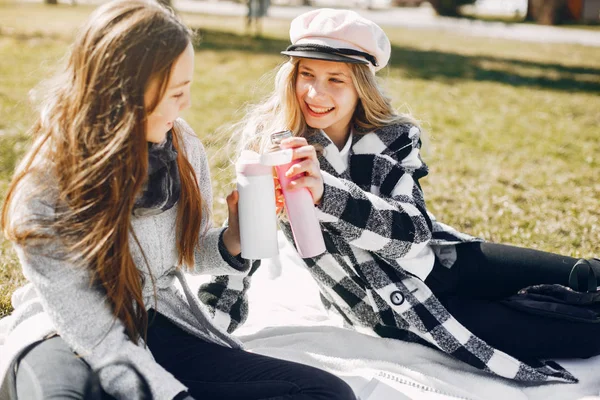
x=344 y=152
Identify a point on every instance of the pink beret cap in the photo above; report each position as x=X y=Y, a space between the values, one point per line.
x=339 y=35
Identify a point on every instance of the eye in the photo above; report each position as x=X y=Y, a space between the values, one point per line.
x=178 y=95
x=335 y=80
x=306 y=74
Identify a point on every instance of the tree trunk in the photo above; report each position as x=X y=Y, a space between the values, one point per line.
x=51 y=2
x=547 y=12
x=447 y=8
x=529 y=15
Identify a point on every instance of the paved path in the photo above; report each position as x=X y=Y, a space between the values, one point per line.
x=418 y=18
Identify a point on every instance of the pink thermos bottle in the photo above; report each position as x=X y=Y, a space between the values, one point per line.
x=299 y=204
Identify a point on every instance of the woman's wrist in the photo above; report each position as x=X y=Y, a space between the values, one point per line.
x=234 y=261
x=231 y=243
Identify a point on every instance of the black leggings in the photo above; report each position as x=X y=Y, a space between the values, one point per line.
x=484 y=274
x=50 y=370
x=213 y=372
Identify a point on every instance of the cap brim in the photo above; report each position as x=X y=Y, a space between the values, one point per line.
x=315 y=55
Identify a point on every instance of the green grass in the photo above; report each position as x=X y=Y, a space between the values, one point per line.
x=513 y=128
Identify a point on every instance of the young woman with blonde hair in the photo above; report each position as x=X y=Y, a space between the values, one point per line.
x=107 y=210
x=390 y=268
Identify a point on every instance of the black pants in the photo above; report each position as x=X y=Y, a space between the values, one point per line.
x=50 y=370
x=484 y=274
x=215 y=372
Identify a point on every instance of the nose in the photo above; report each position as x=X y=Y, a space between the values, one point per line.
x=314 y=91
x=186 y=104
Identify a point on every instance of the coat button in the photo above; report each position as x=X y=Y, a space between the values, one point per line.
x=397 y=298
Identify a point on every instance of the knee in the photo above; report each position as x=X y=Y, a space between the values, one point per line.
x=335 y=388
x=27 y=383
x=343 y=391
x=33 y=384
x=50 y=370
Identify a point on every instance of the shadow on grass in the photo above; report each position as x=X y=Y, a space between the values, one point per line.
x=438 y=65
x=209 y=39
x=433 y=64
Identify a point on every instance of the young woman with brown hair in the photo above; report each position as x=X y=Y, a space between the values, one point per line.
x=110 y=205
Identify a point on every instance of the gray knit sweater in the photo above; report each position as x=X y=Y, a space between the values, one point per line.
x=59 y=298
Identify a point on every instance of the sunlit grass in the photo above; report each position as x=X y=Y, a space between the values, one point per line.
x=513 y=128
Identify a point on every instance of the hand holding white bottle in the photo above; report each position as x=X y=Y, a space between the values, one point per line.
x=256 y=207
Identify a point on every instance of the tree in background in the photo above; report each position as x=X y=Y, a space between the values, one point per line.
x=548 y=12
x=449 y=8
x=257 y=10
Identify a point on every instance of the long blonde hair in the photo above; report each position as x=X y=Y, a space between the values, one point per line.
x=90 y=138
x=280 y=110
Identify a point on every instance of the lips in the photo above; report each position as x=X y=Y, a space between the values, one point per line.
x=318 y=111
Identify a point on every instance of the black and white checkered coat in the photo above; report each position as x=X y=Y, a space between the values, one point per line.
x=374 y=219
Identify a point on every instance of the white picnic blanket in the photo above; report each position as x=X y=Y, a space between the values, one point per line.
x=288 y=321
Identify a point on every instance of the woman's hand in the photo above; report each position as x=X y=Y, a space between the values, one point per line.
x=306 y=173
x=231 y=236
x=279 y=200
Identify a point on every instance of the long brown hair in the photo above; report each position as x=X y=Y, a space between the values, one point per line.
x=91 y=138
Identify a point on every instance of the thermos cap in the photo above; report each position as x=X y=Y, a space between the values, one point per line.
x=277 y=157
x=249 y=164
x=277 y=137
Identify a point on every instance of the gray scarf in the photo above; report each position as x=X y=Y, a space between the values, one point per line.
x=162 y=188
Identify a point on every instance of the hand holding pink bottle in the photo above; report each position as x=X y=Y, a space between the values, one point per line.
x=297 y=180
x=304 y=171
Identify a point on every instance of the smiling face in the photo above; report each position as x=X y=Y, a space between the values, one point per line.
x=327 y=97
x=177 y=97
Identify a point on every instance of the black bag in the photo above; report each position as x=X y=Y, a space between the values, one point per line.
x=11 y=373
x=93 y=389
x=580 y=302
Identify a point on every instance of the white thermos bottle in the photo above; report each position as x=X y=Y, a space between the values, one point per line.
x=256 y=207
